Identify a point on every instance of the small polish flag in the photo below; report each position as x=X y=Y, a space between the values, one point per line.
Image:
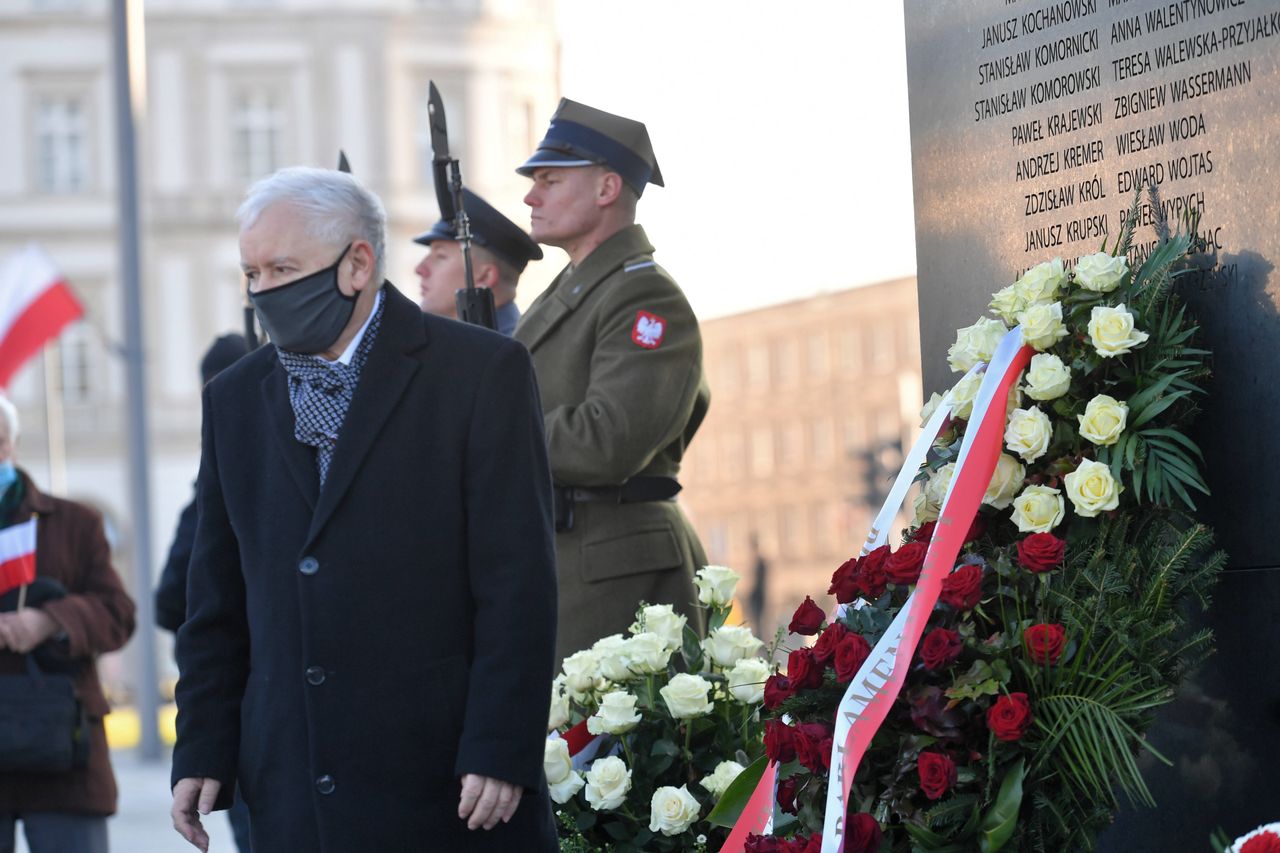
x=17 y=555
x=35 y=304
x=583 y=746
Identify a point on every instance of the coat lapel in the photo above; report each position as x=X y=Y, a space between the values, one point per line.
x=383 y=381
x=570 y=288
x=299 y=460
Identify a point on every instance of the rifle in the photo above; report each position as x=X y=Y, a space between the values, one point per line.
x=474 y=304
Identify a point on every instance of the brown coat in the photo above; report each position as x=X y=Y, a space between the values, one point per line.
x=618 y=355
x=97 y=616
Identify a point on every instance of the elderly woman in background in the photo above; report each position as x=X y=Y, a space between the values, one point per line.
x=75 y=610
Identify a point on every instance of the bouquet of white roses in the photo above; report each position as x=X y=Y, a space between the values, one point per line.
x=677 y=717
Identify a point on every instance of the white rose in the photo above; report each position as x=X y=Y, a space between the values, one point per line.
x=1111 y=331
x=1103 y=420
x=608 y=781
x=715 y=585
x=581 y=669
x=1008 y=303
x=662 y=620
x=564 y=790
x=646 y=653
x=963 y=394
x=936 y=488
x=1101 y=273
x=1047 y=377
x=610 y=651
x=728 y=645
x=616 y=714
x=747 y=678
x=686 y=696
x=975 y=343
x=1038 y=509
x=1040 y=284
x=672 y=810
x=1005 y=482
x=1028 y=433
x=721 y=777
x=925 y=509
x=1092 y=489
x=930 y=407
x=1042 y=325
x=559 y=714
x=556 y=762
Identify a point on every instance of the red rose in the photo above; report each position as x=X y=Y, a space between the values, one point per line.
x=813 y=746
x=1044 y=643
x=924 y=532
x=777 y=689
x=803 y=670
x=1009 y=717
x=903 y=566
x=807 y=619
x=1263 y=842
x=1041 y=552
x=937 y=773
x=825 y=649
x=787 y=790
x=852 y=652
x=813 y=845
x=765 y=844
x=941 y=646
x=962 y=589
x=862 y=834
x=869 y=572
x=779 y=741
x=977 y=527
x=844 y=584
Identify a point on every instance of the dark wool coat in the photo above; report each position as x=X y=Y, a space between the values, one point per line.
x=351 y=652
x=97 y=616
x=622 y=397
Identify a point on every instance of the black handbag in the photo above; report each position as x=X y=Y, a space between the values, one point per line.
x=43 y=726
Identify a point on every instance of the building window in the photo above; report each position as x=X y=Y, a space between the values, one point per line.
x=883 y=344
x=74 y=355
x=819 y=363
x=820 y=445
x=791 y=449
x=851 y=353
x=761 y=452
x=758 y=367
x=731 y=457
x=788 y=362
x=62 y=144
x=724 y=372
x=258 y=121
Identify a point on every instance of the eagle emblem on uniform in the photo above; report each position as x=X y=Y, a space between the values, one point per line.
x=648 y=330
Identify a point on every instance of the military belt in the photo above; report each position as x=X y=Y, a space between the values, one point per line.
x=635 y=490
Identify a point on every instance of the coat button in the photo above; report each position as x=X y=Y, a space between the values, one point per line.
x=309 y=565
x=324 y=784
x=315 y=675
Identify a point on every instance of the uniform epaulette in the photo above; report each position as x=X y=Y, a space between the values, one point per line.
x=639 y=263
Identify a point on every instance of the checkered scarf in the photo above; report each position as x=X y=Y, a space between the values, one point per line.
x=321 y=391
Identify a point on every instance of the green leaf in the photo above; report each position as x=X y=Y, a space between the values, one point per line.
x=1163 y=432
x=1158 y=406
x=999 y=823
x=691 y=649
x=665 y=746
x=734 y=799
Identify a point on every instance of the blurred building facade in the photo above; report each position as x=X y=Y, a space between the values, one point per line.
x=809 y=401
x=235 y=89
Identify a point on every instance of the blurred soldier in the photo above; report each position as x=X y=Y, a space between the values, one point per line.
x=500 y=251
x=619 y=361
x=364 y=653
x=171 y=592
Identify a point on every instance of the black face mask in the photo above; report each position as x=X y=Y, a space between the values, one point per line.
x=307 y=314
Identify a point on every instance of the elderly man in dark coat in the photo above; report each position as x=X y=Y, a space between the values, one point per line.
x=369 y=642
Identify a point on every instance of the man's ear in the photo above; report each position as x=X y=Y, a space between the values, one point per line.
x=608 y=189
x=362 y=265
x=486 y=274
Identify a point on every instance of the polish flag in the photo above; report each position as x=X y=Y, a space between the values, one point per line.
x=17 y=555
x=35 y=304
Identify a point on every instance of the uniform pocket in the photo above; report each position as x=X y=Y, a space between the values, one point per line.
x=647 y=550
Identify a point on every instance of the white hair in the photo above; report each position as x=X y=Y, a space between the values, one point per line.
x=10 y=413
x=336 y=208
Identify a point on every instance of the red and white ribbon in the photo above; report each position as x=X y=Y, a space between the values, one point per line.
x=873 y=690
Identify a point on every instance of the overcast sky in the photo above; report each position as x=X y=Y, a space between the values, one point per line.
x=782 y=133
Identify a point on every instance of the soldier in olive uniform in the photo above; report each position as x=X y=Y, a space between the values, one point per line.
x=618 y=358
